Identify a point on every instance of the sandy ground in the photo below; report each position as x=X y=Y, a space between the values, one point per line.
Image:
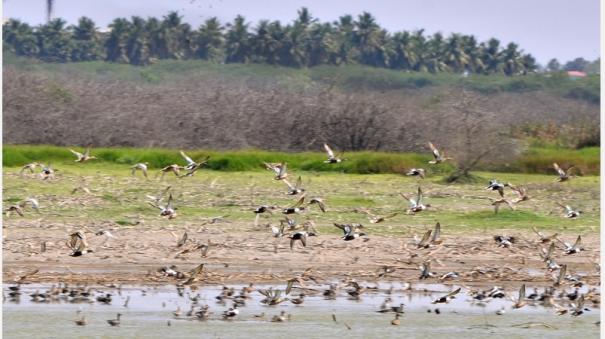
x=137 y=252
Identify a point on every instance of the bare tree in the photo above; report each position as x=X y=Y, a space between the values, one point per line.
x=475 y=136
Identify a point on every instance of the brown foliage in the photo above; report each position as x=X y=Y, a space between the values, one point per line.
x=217 y=114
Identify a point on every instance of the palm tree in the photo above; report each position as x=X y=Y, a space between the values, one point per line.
x=295 y=46
x=454 y=55
x=154 y=31
x=473 y=52
x=54 y=41
x=420 y=50
x=343 y=36
x=323 y=48
x=403 y=51
x=490 y=56
x=209 y=40
x=370 y=40
x=86 y=41
x=529 y=63
x=19 y=38
x=115 y=45
x=137 y=48
x=263 y=45
x=238 y=42
x=173 y=39
x=511 y=59
x=435 y=50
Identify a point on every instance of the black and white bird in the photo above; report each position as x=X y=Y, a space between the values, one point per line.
x=350 y=231
x=332 y=159
x=416 y=172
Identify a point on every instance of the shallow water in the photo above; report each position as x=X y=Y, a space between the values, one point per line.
x=146 y=316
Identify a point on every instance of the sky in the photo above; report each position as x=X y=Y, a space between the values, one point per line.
x=562 y=29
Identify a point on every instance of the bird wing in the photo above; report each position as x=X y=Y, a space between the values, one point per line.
x=298 y=182
x=329 y=150
x=453 y=293
x=303 y=239
x=299 y=202
x=169 y=205
x=390 y=215
x=578 y=242
x=522 y=293
x=342 y=227
x=183 y=240
x=412 y=202
x=188 y=159
x=197 y=270
x=78 y=154
x=558 y=169
x=580 y=303
x=425 y=238
x=282 y=170
x=289 y=286
x=537 y=232
x=562 y=273
x=289 y=184
x=204 y=161
x=163 y=192
x=87 y=152
x=434 y=150
x=419 y=196
x=551 y=250
x=320 y=203
x=437 y=232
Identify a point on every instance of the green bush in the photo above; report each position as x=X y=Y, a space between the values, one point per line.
x=535 y=160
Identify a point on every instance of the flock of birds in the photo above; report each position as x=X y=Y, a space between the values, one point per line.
x=291 y=229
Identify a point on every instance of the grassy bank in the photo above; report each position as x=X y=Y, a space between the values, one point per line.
x=118 y=198
x=535 y=160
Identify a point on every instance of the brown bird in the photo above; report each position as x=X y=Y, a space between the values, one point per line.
x=439 y=157
x=319 y=203
x=31 y=167
x=281 y=170
x=521 y=193
x=563 y=175
x=77 y=243
x=174 y=168
x=521 y=300
x=543 y=238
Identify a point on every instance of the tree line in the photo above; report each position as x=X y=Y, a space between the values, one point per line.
x=305 y=42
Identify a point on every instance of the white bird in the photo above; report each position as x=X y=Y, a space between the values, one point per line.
x=83 y=157
x=142 y=166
